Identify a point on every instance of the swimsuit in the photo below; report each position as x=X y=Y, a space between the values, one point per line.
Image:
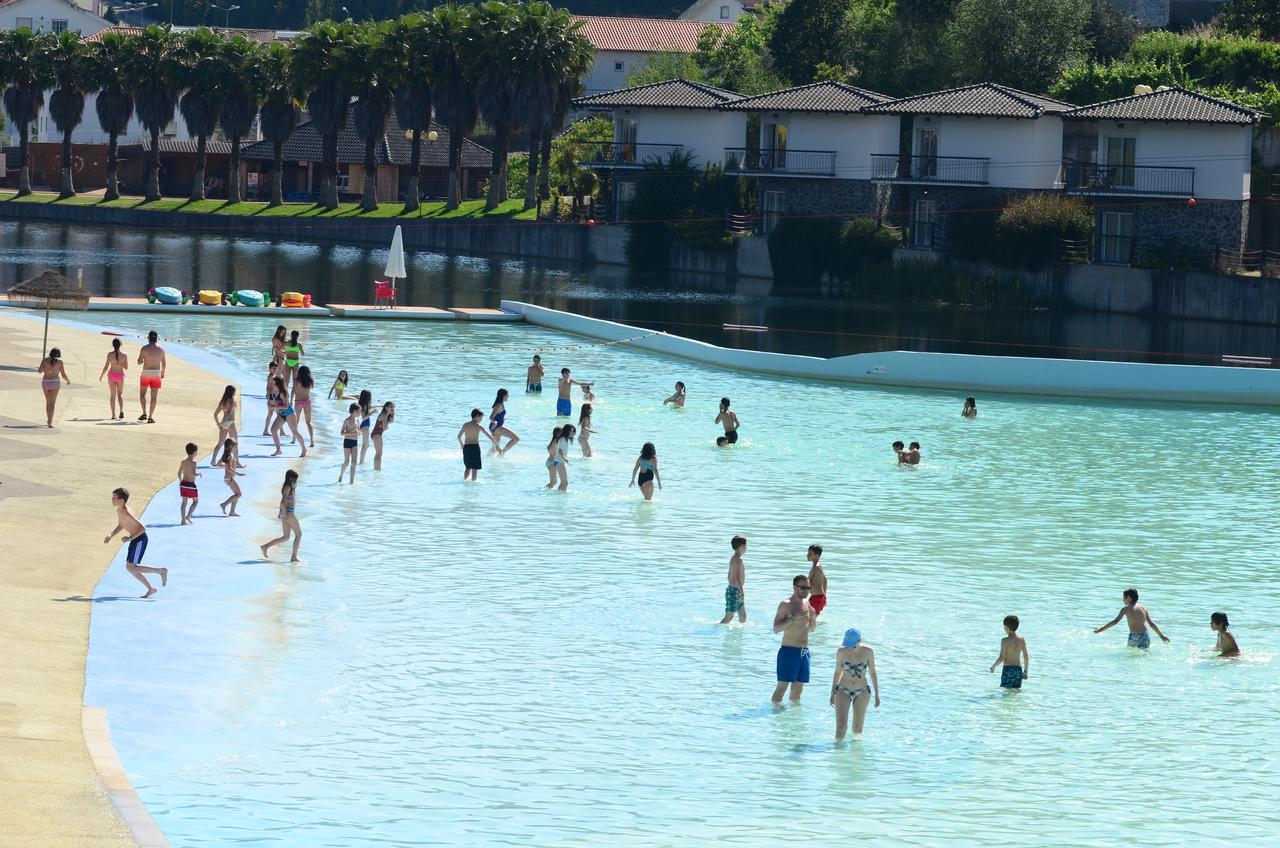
x=732 y=599
x=564 y=406
x=137 y=547
x=187 y=488
x=731 y=436
x=497 y=419
x=115 y=376
x=349 y=443
x=855 y=671
x=49 y=384
x=818 y=602
x=471 y=456
x=292 y=363
x=1011 y=677
x=646 y=472
x=793 y=664
x=534 y=387
x=339 y=389
x=149 y=378
x=288 y=502
x=302 y=401
x=364 y=423
x=377 y=430
x=287 y=411
x=1140 y=640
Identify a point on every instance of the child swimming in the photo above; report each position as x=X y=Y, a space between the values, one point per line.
x=676 y=399
x=1013 y=653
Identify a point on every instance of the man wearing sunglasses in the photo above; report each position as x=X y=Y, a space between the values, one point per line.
x=794 y=619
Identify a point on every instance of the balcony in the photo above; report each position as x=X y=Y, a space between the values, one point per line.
x=783 y=163
x=955 y=170
x=619 y=154
x=1129 y=179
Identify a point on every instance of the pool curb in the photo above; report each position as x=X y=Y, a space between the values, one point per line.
x=128 y=804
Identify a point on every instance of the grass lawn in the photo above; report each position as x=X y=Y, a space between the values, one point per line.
x=510 y=210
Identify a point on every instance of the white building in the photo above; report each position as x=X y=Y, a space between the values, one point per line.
x=718 y=10
x=50 y=16
x=624 y=44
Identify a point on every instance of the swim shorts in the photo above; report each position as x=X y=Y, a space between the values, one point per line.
x=187 y=489
x=1140 y=640
x=149 y=381
x=1011 y=677
x=732 y=599
x=731 y=436
x=536 y=388
x=137 y=547
x=471 y=457
x=349 y=443
x=818 y=602
x=564 y=406
x=793 y=665
x=115 y=376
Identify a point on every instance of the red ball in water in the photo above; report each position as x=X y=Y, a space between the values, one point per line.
x=591 y=222
x=1191 y=201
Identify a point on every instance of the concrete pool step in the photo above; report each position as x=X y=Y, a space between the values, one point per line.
x=422 y=313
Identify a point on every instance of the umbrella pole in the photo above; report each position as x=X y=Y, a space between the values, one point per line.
x=44 y=346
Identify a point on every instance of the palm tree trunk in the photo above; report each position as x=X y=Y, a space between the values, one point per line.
x=330 y=186
x=369 y=201
x=501 y=144
x=24 y=173
x=544 y=188
x=233 y=183
x=455 y=171
x=113 y=167
x=68 y=187
x=197 y=183
x=411 y=201
x=531 y=187
x=153 y=168
x=277 y=177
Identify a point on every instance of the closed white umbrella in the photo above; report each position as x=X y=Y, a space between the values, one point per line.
x=395 y=260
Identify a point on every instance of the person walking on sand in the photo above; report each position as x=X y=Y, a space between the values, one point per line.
x=52 y=373
x=564 y=402
x=302 y=386
x=1226 y=645
x=350 y=441
x=729 y=419
x=136 y=535
x=647 y=466
x=558 y=463
x=385 y=417
x=115 y=366
x=855 y=663
x=366 y=418
x=288 y=518
x=469 y=439
x=154 y=365
x=817 y=580
x=286 y=414
x=229 y=462
x=1138 y=618
x=224 y=415
x=794 y=619
x=735 y=593
x=676 y=399
x=187 y=475
x=533 y=376
x=498 y=424
x=970 y=408
x=1013 y=653
x=584 y=429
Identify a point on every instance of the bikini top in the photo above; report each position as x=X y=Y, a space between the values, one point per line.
x=646 y=465
x=854 y=669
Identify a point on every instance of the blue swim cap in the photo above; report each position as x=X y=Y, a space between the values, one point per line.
x=851 y=638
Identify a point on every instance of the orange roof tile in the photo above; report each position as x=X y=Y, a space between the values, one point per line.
x=644 y=35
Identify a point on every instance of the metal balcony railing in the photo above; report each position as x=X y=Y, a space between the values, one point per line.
x=800 y=163
x=621 y=154
x=1081 y=178
x=970 y=170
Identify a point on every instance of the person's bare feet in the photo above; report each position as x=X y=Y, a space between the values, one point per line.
x=164 y=577
x=277 y=453
x=304 y=453
x=264 y=551
x=223 y=506
x=296 y=559
x=233 y=514
x=150 y=591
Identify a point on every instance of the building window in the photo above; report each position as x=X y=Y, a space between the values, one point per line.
x=626 y=196
x=1115 y=238
x=924 y=224
x=926 y=161
x=624 y=134
x=1121 y=158
x=22 y=22
x=724 y=13
x=617 y=66
x=59 y=26
x=774 y=202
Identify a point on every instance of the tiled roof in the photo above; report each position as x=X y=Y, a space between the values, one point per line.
x=676 y=94
x=1171 y=104
x=121 y=30
x=815 y=97
x=644 y=35
x=212 y=146
x=393 y=149
x=984 y=100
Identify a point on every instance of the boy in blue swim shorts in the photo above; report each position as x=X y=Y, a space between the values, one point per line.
x=1138 y=618
x=563 y=404
x=1013 y=653
x=794 y=619
x=533 y=377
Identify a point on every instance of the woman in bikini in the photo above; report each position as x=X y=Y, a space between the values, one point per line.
x=584 y=429
x=497 y=424
x=52 y=372
x=366 y=414
x=288 y=519
x=855 y=664
x=277 y=344
x=558 y=464
x=302 y=400
x=271 y=390
x=228 y=463
x=647 y=466
x=385 y=417
x=338 y=391
x=224 y=415
x=114 y=369
x=292 y=357
x=285 y=414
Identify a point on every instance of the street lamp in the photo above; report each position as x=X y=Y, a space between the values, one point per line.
x=228 y=9
x=346 y=16
x=138 y=7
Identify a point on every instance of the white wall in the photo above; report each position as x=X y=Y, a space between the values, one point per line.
x=44 y=12
x=1220 y=153
x=1024 y=153
x=603 y=74
x=853 y=137
x=704 y=132
x=90 y=131
x=710 y=10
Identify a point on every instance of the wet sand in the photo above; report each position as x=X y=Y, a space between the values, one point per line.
x=55 y=507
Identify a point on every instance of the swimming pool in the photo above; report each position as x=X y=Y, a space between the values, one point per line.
x=494 y=664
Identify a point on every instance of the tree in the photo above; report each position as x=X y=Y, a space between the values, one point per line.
x=739 y=60
x=66 y=104
x=324 y=59
x=1256 y=18
x=413 y=97
x=1109 y=31
x=242 y=84
x=660 y=67
x=1025 y=44
x=503 y=59
x=280 y=111
x=454 y=71
x=377 y=76
x=808 y=33
x=154 y=75
x=198 y=55
x=26 y=64
x=108 y=60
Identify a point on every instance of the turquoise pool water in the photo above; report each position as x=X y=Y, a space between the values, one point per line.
x=493 y=664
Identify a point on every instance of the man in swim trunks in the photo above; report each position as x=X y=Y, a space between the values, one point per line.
x=187 y=475
x=730 y=421
x=533 y=376
x=817 y=580
x=734 y=596
x=1138 y=617
x=794 y=619
x=1013 y=653
x=153 y=363
x=137 y=536
x=564 y=406
x=469 y=438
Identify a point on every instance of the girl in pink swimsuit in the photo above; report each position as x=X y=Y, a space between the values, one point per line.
x=114 y=369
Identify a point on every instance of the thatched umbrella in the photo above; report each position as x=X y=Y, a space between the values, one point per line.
x=50 y=290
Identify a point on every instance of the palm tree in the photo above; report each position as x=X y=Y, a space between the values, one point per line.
x=280 y=111
x=503 y=58
x=413 y=98
x=154 y=75
x=198 y=55
x=108 y=58
x=324 y=60
x=243 y=83
x=26 y=64
x=66 y=104
x=378 y=77
x=454 y=50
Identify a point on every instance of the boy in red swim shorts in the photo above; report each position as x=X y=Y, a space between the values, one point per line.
x=153 y=363
x=817 y=579
x=187 y=475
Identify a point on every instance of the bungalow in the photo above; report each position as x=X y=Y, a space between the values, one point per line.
x=719 y=10
x=624 y=44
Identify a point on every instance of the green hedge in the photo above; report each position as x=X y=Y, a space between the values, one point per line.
x=801 y=251
x=1031 y=229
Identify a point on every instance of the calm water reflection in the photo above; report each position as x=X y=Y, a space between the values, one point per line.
x=123 y=262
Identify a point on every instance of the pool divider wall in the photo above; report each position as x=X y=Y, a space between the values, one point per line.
x=97 y=738
x=965 y=374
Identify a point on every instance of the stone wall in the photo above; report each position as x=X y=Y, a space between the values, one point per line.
x=1208 y=226
x=837 y=198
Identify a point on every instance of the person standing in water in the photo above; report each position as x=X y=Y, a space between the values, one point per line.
x=1226 y=645
x=229 y=462
x=286 y=414
x=269 y=394
x=1013 y=653
x=558 y=463
x=366 y=417
x=136 y=535
x=584 y=429
x=292 y=358
x=154 y=365
x=288 y=518
x=302 y=386
x=647 y=466
x=855 y=663
x=498 y=424
x=817 y=580
x=350 y=441
x=564 y=402
x=676 y=399
x=187 y=475
x=533 y=376
x=52 y=373
x=729 y=419
x=1138 y=618
x=735 y=598
x=794 y=619
x=469 y=439
x=115 y=366
x=278 y=341
x=970 y=408
x=339 y=388
x=385 y=417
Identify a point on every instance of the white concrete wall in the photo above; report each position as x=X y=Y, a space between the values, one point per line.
x=704 y=132
x=603 y=75
x=44 y=12
x=1220 y=153
x=90 y=131
x=854 y=138
x=1024 y=153
x=709 y=10
x=961 y=373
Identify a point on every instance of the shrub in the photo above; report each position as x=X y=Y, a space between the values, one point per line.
x=862 y=242
x=1030 y=230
